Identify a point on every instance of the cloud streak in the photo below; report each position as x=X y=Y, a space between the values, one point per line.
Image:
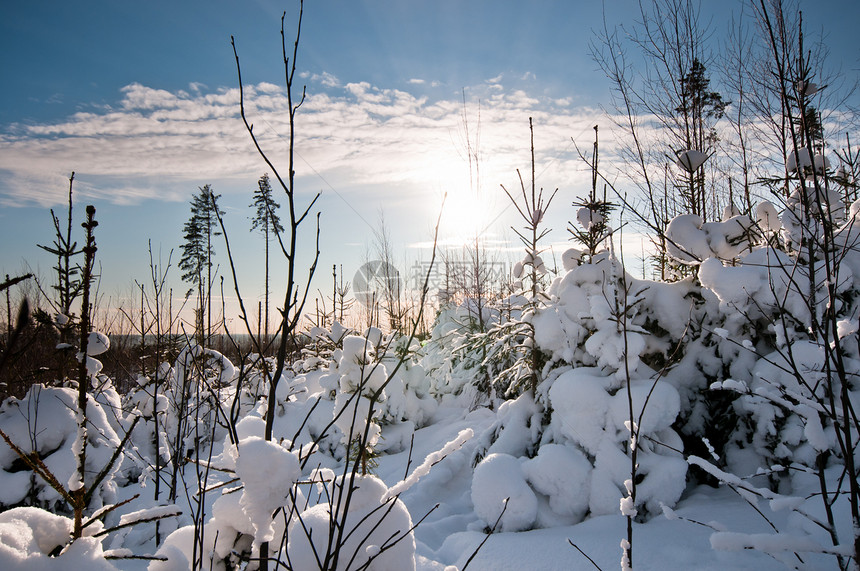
x=155 y=144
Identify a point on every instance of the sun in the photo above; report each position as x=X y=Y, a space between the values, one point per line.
x=466 y=217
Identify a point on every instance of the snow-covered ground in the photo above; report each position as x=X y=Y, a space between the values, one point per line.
x=450 y=535
x=452 y=532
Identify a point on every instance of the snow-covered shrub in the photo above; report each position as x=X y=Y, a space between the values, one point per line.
x=590 y=416
x=563 y=475
x=690 y=241
x=373 y=373
x=449 y=359
x=500 y=490
x=483 y=364
x=355 y=380
x=408 y=393
x=510 y=354
x=785 y=330
x=32 y=538
x=467 y=344
x=242 y=517
x=517 y=428
x=196 y=384
x=149 y=402
x=44 y=423
x=264 y=491
x=267 y=504
x=253 y=381
x=599 y=331
x=592 y=228
x=776 y=325
x=180 y=415
x=582 y=324
x=372 y=529
x=322 y=344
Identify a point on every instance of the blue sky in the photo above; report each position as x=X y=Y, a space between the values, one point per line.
x=140 y=100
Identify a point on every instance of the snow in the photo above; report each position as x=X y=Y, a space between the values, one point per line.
x=563 y=474
x=571 y=258
x=499 y=489
x=558 y=494
x=265 y=489
x=428 y=463
x=690 y=240
x=801 y=160
x=370 y=524
x=148 y=513
x=97 y=343
x=28 y=535
x=690 y=160
x=767 y=217
x=582 y=403
x=772 y=543
x=657 y=545
x=588 y=218
x=663 y=406
x=44 y=421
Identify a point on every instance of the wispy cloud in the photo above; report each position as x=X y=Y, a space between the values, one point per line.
x=326 y=79
x=156 y=144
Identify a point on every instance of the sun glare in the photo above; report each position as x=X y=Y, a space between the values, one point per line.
x=466 y=216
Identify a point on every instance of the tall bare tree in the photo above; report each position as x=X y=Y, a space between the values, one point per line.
x=266 y=220
x=295 y=296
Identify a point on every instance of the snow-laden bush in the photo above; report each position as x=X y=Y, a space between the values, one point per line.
x=372 y=529
x=409 y=396
x=500 y=490
x=150 y=435
x=183 y=412
x=32 y=539
x=783 y=396
x=690 y=241
x=495 y=357
x=44 y=423
x=371 y=372
x=196 y=386
x=591 y=417
x=598 y=332
x=242 y=517
x=267 y=503
x=355 y=381
x=455 y=356
x=784 y=327
x=563 y=475
x=322 y=344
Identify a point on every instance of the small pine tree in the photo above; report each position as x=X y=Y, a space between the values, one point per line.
x=593 y=214
x=69 y=285
x=197 y=254
x=699 y=110
x=593 y=217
